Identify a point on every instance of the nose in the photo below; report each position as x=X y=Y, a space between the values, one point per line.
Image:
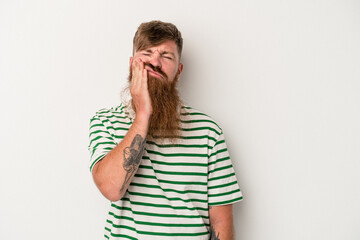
x=155 y=60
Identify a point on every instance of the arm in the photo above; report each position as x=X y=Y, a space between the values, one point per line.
x=221 y=222
x=113 y=174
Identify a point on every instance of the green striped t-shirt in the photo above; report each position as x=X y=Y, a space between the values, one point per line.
x=175 y=184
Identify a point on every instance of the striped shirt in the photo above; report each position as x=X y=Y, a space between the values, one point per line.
x=175 y=184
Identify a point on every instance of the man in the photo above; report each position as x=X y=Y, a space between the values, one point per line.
x=164 y=166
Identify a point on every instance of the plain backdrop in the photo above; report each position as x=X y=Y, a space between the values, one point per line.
x=282 y=78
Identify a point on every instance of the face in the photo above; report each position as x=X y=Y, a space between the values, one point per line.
x=163 y=57
x=164 y=69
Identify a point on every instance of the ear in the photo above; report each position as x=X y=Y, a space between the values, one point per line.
x=130 y=61
x=180 y=68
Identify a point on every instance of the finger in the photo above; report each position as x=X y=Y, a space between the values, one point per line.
x=145 y=78
x=140 y=72
x=136 y=73
x=139 y=77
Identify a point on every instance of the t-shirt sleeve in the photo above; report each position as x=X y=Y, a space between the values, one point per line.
x=100 y=141
x=223 y=187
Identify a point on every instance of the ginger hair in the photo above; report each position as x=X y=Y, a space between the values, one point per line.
x=153 y=33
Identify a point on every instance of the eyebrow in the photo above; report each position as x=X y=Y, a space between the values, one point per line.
x=165 y=52
x=162 y=53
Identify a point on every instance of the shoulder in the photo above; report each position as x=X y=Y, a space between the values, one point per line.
x=114 y=122
x=104 y=114
x=200 y=119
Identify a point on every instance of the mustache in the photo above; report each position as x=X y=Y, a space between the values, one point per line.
x=155 y=69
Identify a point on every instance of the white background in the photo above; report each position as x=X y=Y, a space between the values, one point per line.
x=282 y=78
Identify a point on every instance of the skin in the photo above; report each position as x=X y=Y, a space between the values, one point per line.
x=221 y=222
x=164 y=56
x=113 y=174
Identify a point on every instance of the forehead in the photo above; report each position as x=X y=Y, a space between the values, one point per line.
x=167 y=46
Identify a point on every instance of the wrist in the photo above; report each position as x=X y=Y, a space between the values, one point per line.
x=142 y=121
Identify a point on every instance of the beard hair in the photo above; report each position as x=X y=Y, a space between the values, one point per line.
x=166 y=104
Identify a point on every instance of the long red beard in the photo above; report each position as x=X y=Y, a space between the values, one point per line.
x=166 y=104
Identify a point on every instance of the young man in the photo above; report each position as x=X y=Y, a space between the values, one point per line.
x=164 y=166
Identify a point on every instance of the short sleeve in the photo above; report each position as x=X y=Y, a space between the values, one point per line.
x=223 y=187
x=101 y=141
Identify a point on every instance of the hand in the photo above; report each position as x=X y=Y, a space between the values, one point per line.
x=139 y=89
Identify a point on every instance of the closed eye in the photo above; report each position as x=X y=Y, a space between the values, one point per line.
x=168 y=57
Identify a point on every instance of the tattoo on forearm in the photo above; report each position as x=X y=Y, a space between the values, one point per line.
x=213 y=235
x=132 y=157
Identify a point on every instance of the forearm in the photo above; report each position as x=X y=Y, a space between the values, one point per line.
x=113 y=174
x=221 y=223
